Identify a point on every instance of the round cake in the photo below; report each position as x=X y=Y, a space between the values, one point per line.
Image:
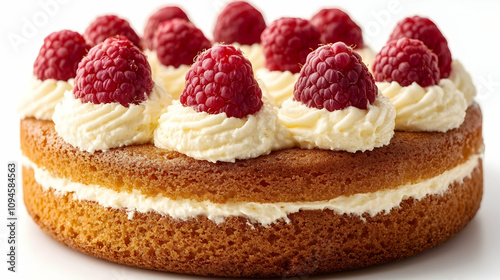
x=442 y=174
x=313 y=185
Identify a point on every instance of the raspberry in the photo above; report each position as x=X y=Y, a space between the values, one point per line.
x=334 y=78
x=163 y=14
x=239 y=22
x=425 y=30
x=59 y=55
x=222 y=81
x=178 y=41
x=114 y=71
x=336 y=26
x=287 y=42
x=406 y=61
x=107 y=26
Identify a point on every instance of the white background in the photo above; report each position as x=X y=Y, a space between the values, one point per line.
x=471 y=28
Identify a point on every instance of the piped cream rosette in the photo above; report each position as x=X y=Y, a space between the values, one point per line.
x=254 y=53
x=42 y=98
x=434 y=108
x=170 y=77
x=216 y=137
x=350 y=129
x=463 y=81
x=367 y=55
x=279 y=85
x=92 y=127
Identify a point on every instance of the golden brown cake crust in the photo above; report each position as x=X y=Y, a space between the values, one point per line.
x=313 y=242
x=284 y=176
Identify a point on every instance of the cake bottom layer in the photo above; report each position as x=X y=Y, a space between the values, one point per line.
x=313 y=242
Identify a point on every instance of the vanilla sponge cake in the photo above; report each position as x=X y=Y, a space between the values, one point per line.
x=292 y=212
x=214 y=166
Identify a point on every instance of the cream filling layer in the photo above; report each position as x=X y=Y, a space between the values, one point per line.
x=262 y=213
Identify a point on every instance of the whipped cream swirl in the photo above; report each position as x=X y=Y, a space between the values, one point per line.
x=215 y=137
x=367 y=56
x=92 y=127
x=434 y=108
x=279 y=85
x=153 y=60
x=463 y=81
x=254 y=53
x=173 y=79
x=350 y=129
x=42 y=98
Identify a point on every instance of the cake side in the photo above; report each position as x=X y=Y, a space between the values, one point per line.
x=313 y=242
x=282 y=176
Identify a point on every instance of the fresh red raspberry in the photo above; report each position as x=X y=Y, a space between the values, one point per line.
x=406 y=61
x=107 y=26
x=178 y=41
x=222 y=81
x=334 y=78
x=287 y=42
x=114 y=71
x=59 y=55
x=336 y=26
x=163 y=14
x=425 y=30
x=239 y=22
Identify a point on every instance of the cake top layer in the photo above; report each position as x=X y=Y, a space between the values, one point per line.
x=221 y=81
